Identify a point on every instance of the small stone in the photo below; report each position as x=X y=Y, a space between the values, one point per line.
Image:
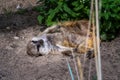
x=23 y=37
x=19 y=6
x=8 y=28
x=9 y=48
x=16 y=37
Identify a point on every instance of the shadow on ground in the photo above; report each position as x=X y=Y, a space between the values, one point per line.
x=18 y=21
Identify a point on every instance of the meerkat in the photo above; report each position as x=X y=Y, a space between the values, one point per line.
x=63 y=37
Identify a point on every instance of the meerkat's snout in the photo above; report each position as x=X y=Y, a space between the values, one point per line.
x=38 y=43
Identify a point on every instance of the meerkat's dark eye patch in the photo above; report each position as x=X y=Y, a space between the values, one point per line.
x=41 y=42
x=34 y=42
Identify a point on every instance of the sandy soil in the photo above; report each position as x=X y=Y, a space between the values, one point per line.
x=11 y=5
x=15 y=64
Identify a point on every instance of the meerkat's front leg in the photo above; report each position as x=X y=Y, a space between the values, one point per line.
x=65 y=50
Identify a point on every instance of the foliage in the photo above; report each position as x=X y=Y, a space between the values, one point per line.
x=110 y=18
x=59 y=10
x=21 y=11
x=94 y=77
x=7 y=12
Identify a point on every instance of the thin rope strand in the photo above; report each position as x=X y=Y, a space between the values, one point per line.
x=70 y=70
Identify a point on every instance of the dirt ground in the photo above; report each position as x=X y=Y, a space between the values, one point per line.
x=16 y=30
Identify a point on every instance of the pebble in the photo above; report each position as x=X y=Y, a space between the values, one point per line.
x=8 y=28
x=16 y=37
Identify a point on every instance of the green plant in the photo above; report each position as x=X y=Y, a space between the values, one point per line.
x=7 y=11
x=21 y=11
x=110 y=18
x=94 y=77
x=52 y=11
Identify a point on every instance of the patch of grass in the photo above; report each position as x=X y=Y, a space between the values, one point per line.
x=7 y=12
x=21 y=11
x=94 y=77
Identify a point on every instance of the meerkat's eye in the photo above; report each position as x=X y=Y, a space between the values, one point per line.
x=34 y=42
x=41 y=42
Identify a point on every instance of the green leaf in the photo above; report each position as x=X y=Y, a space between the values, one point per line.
x=75 y=3
x=106 y=16
x=64 y=16
x=78 y=8
x=69 y=11
x=51 y=15
x=103 y=36
x=40 y=19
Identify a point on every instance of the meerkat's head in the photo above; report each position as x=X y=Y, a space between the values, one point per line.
x=39 y=46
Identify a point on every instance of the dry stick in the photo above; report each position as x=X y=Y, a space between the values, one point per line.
x=80 y=68
x=94 y=40
x=88 y=30
x=95 y=46
x=91 y=9
x=93 y=35
x=99 y=73
x=75 y=64
x=90 y=65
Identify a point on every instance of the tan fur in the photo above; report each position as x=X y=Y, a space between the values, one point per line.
x=69 y=34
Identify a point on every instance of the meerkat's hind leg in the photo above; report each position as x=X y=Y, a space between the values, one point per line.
x=51 y=29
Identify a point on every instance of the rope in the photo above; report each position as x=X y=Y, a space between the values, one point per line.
x=70 y=70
